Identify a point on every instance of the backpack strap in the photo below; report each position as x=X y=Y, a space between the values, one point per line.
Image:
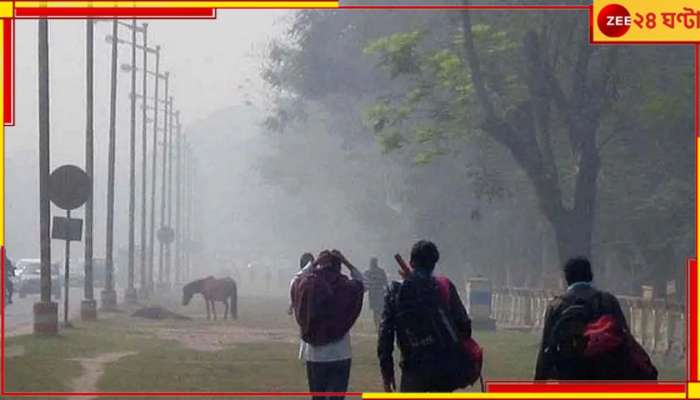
x=443 y=285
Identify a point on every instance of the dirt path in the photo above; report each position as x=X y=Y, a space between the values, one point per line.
x=93 y=368
x=213 y=338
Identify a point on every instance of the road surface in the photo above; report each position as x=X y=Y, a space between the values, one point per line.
x=19 y=318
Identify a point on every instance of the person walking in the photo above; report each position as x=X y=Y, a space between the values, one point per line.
x=326 y=305
x=586 y=336
x=425 y=315
x=376 y=280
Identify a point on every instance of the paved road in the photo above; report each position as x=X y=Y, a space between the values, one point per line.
x=19 y=318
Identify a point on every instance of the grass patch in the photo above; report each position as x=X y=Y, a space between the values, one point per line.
x=168 y=365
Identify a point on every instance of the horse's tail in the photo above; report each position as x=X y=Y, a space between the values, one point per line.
x=234 y=300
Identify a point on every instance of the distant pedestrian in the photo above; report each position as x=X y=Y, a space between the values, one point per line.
x=376 y=283
x=326 y=306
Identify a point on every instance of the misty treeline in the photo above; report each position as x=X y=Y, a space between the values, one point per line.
x=503 y=136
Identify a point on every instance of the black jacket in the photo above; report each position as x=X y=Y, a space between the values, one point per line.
x=388 y=330
x=546 y=368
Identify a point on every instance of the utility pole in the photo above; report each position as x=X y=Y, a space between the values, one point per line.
x=163 y=220
x=169 y=208
x=130 y=295
x=109 y=295
x=188 y=207
x=45 y=311
x=178 y=196
x=152 y=232
x=88 y=307
x=144 y=286
x=144 y=164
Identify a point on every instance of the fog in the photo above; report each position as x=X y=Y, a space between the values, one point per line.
x=204 y=80
x=265 y=193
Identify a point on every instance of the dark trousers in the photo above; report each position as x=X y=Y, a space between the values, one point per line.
x=419 y=383
x=328 y=377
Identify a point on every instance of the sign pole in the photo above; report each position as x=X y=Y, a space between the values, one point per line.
x=67 y=279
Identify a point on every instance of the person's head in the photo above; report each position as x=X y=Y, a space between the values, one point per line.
x=373 y=262
x=305 y=259
x=578 y=269
x=328 y=260
x=424 y=255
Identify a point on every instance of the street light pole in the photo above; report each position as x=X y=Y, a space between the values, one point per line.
x=163 y=220
x=178 y=210
x=152 y=231
x=188 y=183
x=130 y=295
x=45 y=312
x=88 y=307
x=144 y=164
x=109 y=295
x=168 y=259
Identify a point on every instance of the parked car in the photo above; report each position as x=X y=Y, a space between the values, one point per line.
x=29 y=280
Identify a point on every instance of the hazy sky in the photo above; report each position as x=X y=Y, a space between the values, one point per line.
x=208 y=61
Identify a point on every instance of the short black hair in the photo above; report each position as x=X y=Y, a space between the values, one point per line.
x=578 y=269
x=424 y=255
x=305 y=259
x=373 y=262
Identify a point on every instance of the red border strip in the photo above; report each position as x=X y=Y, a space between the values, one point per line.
x=9 y=71
x=583 y=387
x=152 y=12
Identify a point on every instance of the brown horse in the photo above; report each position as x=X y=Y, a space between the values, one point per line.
x=213 y=290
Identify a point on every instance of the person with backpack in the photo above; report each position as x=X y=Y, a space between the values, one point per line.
x=428 y=320
x=326 y=305
x=376 y=280
x=586 y=336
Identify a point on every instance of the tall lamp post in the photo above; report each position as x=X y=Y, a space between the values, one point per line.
x=45 y=311
x=149 y=264
x=130 y=295
x=163 y=219
x=88 y=307
x=169 y=207
x=109 y=295
x=178 y=205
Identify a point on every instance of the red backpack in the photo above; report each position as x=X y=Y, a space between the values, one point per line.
x=586 y=333
x=473 y=353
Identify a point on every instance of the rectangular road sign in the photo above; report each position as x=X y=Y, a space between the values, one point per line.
x=67 y=229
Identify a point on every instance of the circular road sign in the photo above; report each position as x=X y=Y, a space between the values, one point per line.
x=166 y=235
x=69 y=187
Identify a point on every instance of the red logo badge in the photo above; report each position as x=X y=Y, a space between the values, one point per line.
x=614 y=20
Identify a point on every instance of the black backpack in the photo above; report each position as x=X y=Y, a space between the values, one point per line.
x=568 y=341
x=427 y=333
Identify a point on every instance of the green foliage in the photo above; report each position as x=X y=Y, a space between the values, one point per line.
x=397 y=52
